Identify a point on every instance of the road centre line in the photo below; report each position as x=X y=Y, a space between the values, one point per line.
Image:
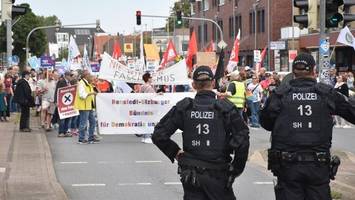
x=263 y=183
x=89 y=185
x=172 y=183
x=148 y=161
x=79 y=162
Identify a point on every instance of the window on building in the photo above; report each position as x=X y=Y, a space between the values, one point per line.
x=205 y=32
x=231 y=27
x=206 y=5
x=192 y=6
x=214 y=3
x=62 y=37
x=238 y=25
x=220 y=23
x=198 y=6
x=251 y=23
x=199 y=34
x=221 y=2
x=261 y=21
x=184 y=45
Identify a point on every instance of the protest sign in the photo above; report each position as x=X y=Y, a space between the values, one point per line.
x=112 y=69
x=134 y=113
x=66 y=97
x=206 y=58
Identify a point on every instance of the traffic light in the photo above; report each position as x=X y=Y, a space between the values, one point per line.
x=309 y=13
x=6 y=11
x=178 y=17
x=333 y=14
x=345 y=11
x=139 y=17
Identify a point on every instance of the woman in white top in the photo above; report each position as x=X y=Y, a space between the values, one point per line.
x=254 y=101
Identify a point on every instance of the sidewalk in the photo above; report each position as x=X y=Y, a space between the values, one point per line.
x=26 y=167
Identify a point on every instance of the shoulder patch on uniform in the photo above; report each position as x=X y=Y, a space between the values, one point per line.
x=184 y=103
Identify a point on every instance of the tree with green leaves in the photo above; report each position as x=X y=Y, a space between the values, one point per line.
x=185 y=7
x=38 y=40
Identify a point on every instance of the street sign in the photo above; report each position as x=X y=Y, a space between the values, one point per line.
x=324 y=47
x=278 y=45
x=257 y=56
x=222 y=44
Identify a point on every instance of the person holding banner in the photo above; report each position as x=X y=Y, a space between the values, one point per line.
x=85 y=103
x=212 y=130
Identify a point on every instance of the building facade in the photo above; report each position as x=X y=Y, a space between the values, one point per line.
x=263 y=23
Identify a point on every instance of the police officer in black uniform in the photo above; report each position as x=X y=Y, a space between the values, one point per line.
x=299 y=115
x=212 y=131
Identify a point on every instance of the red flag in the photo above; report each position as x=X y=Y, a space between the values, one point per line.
x=116 y=50
x=234 y=59
x=263 y=53
x=210 y=47
x=262 y=56
x=192 y=50
x=169 y=55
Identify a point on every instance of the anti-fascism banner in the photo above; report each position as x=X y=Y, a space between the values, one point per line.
x=65 y=98
x=134 y=113
x=112 y=69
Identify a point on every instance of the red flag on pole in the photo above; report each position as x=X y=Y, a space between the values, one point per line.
x=192 y=51
x=116 y=50
x=262 y=56
x=234 y=59
x=169 y=55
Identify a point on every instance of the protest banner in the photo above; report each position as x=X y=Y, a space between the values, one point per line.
x=112 y=69
x=47 y=62
x=134 y=113
x=206 y=58
x=66 y=96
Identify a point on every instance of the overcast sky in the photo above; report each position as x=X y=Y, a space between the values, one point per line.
x=115 y=15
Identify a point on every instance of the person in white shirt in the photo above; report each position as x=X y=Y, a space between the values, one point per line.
x=254 y=101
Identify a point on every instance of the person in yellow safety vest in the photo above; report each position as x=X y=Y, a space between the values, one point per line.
x=85 y=103
x=236 y=91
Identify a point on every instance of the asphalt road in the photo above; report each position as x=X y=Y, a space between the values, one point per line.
x=121 y=167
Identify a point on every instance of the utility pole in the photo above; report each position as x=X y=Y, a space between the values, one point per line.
x=8 y=40
x=324 y=61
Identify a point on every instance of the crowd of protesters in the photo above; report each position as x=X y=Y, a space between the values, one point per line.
x=244 y=87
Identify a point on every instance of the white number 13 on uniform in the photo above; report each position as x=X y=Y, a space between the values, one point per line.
x=307 y=110
x=204 y=128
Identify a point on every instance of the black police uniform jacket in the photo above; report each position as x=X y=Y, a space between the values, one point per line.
x=299 y=115
x=212 y=129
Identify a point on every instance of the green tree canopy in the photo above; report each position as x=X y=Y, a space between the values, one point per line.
x=185 y=7
x=38 y=40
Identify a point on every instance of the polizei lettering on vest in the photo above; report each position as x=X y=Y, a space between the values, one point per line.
x=304 y=96
x=202 y=115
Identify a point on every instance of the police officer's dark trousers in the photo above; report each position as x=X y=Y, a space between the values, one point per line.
x=303 y=181
x=210 y=188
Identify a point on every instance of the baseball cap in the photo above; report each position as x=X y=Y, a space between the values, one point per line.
x=304 y=61
x=201 y=72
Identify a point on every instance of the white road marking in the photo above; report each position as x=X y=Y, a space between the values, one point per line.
x=208 y=143
x=172 y=183
x=89 y=185
x=143 y=183
x=79 y=162
x=309 y=124
x=126 y=184
x=263 y=183
x=2 y=170
x=148 y=161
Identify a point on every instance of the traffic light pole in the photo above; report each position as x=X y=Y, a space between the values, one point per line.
x=324 y=60
x=8 y=41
